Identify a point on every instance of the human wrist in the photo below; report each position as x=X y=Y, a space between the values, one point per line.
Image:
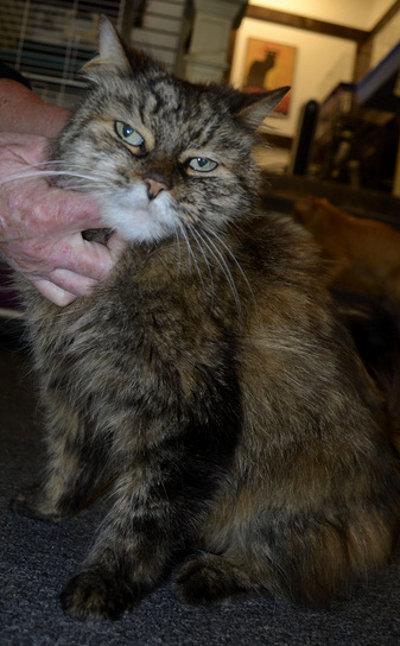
x=22 y=111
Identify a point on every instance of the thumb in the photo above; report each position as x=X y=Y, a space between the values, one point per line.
x=116 y=246
x=69 y=211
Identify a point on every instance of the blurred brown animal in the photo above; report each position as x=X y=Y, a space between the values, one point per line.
x=364 y=257
x=365 y=253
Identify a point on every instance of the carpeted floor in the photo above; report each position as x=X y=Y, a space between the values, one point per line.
x=36 y=560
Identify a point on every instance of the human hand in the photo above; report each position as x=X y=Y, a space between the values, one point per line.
x=40 y=226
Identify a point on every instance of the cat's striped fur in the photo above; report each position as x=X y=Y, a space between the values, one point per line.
x=208 y=381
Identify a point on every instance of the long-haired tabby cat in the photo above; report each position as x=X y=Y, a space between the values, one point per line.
x=208 y=380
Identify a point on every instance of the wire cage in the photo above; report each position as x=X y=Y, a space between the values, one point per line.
x=48 y=41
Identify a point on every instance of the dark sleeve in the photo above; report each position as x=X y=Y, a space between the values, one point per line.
x=9 y=73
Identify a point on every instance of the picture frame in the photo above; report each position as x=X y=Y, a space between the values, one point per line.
x=269 y=65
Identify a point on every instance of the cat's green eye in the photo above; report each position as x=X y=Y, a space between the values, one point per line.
x=202 y=164
x=128 y=134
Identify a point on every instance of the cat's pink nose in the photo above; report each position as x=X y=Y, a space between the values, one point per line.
x=155 y=183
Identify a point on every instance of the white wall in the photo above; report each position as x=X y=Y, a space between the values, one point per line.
x=361 y=14
x=379 y=8
x=385 y=40
x=321 y=63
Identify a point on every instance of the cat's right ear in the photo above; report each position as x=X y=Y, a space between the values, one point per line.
x=111 y=50
x=259 y=105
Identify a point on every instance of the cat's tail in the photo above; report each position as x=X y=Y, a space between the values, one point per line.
x=375 y=327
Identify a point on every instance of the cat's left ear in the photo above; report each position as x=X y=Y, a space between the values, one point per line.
x=259 y=106
x=111 y=49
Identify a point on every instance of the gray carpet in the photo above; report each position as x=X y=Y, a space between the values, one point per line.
x=36 y=560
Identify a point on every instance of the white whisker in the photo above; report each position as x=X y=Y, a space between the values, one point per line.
x=178 y=242
x=47 y=173
x=235 y=260
x=199 y=240
x=191 y=255
x=219 y=256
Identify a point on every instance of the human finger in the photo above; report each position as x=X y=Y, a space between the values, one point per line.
x=116 y=246
x=71 y=282
x=53 y=292
x=77 y=255
x=39 y=209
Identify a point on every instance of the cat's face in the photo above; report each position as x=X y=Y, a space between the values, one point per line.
x=161 y=155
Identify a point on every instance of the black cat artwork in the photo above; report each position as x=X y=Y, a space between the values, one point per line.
x=259 y=70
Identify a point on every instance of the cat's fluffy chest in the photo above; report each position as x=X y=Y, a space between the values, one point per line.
x=174 y=300
x=156 y=316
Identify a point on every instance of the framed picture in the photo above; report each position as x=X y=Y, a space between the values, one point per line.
x=269 y=66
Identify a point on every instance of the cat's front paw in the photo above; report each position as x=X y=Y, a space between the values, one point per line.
x=94 y=594
x=209 y=578
x=28 y=503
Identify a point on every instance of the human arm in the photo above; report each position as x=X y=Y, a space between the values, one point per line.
x=23 y=111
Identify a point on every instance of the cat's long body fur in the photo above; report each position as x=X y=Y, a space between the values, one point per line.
x=208 y=380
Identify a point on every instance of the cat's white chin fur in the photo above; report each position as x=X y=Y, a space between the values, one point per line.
x=135 y=217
